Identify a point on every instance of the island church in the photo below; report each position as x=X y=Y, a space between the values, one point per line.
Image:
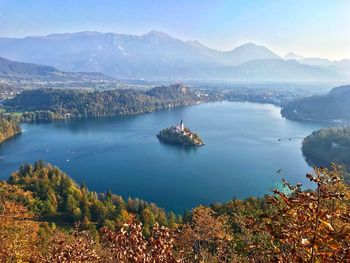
x=180 y=127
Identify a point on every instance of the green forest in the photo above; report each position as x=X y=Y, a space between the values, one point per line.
x=334 y=106
x=47 y=104
x=326 y=146
x=57 y=198
x=46 y=217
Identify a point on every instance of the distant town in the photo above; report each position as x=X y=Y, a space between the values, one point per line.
x=262 y=94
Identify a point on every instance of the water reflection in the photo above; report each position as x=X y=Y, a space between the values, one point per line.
x=240 y=158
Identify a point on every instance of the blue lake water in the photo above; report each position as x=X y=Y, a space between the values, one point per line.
x=240 y=158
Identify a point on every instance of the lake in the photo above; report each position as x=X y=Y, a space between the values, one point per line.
x=240 y=158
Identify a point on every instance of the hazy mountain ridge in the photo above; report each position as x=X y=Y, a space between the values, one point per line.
x=342 y=66
x=278 y=70
x=157 y=55
x=14 y=69
x=292 y=55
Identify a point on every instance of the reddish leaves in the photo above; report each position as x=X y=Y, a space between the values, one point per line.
x=129 y=244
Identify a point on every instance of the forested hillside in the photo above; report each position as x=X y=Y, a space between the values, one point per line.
x=19 y=70
x=9 y=126
x=39 y=204
x=326 y=146
x=55 y=103
x=334 y=106
x=57 y=198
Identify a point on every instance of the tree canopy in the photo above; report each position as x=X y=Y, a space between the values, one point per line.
x=326 y=146
x=287 y=226
x=45 y=104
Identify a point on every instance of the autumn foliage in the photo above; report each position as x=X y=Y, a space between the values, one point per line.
x=130 y=245
x=77 y=246
x=18 y=234
x=205 y=237
x=313 y=226
x=291 y=225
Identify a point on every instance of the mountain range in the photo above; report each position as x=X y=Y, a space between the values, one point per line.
x=20 y=70
x=157 y=55
x=337 y=65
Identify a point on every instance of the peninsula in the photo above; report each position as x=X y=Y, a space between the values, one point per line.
x=179 y=135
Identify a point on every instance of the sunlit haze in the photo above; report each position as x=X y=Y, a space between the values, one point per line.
x=188 y=131
x=313 y=28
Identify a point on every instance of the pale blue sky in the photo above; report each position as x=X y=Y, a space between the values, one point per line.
x=319 y=28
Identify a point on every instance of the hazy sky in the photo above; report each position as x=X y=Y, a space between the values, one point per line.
x=319 y=28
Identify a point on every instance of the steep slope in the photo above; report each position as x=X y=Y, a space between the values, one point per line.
x=155 y=55
x=328 y=145
x=13 y=69
x=150 y=55
x=292 y=55
x=340 y=66
x=334 y=106
x=237 y=56
x=8 y=127
x=247 y=52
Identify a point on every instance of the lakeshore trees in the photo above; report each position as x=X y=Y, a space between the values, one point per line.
x=326 y=146
x=301 y=226
x=9 y=126
x=46 y=104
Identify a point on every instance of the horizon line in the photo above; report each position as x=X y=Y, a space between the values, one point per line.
x=176 y=38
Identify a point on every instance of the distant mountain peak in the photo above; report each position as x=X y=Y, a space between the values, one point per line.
x=292 y=55
x=157 y=33
x=250 y=44
x=250 y=51
x=158 y=55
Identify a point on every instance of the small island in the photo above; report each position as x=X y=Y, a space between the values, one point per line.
x=179 y=135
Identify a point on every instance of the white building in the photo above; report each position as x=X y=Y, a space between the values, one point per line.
x=179 y=128
x=182 y=126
